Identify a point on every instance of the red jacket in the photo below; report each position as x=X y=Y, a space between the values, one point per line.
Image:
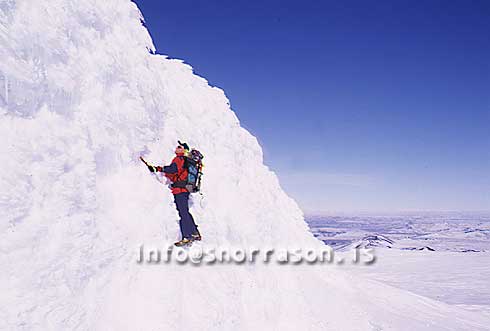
x=176 y=172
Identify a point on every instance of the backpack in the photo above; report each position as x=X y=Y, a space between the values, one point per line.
x=193 y=164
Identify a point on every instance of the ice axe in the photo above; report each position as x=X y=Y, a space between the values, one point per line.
x=143 y=160
x=151 y=168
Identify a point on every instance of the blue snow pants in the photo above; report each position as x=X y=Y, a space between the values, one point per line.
x=187 y=224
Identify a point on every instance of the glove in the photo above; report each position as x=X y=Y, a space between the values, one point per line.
x=154 y=169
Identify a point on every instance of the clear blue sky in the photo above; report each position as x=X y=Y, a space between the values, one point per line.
x=359 y=105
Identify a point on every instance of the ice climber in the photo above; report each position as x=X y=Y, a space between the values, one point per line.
x=177 y=173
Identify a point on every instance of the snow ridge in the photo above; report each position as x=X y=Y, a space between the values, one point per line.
x=81 y=97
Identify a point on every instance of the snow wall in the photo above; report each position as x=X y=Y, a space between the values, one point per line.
x=81 y=97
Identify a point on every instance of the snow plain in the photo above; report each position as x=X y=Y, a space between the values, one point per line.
x=444 y=256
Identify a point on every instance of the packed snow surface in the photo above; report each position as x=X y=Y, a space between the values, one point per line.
x=444 y=256
x=82 y=95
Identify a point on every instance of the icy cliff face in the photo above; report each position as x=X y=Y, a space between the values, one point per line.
x=81 y=97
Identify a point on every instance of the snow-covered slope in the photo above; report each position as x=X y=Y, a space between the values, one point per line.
x=81 y=97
